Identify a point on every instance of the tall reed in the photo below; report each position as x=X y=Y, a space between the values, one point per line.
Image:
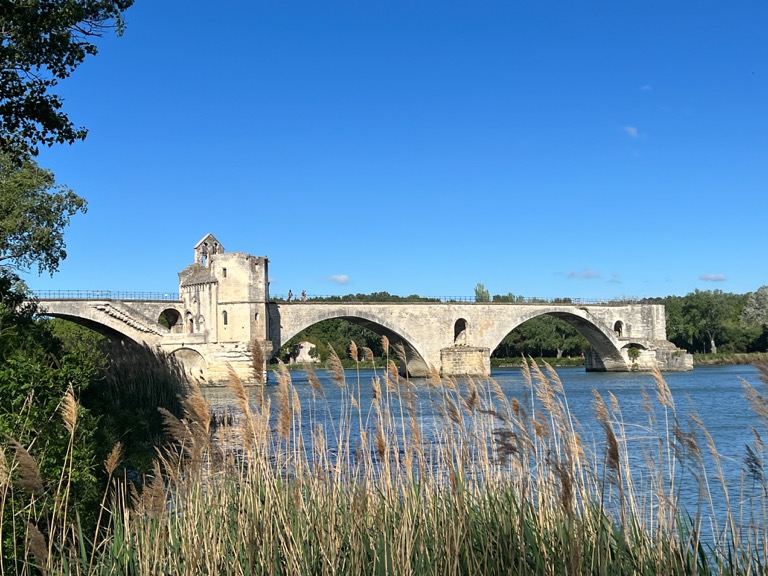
x=502 y=485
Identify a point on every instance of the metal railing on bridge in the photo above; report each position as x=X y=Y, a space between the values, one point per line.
x=103 y=295
x=346 y=299
x=364 y=299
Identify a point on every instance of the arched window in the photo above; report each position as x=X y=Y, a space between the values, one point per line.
x=460 y=332
x=618 y=328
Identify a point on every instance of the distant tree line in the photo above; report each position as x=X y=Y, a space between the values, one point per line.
x=712 y=321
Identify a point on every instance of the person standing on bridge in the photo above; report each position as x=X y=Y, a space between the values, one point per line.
x=303 y=295
x=290 y=295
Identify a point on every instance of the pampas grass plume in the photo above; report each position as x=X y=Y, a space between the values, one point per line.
x=37 y=546
x=69 y=410
x=113 y=459
x=29 y=473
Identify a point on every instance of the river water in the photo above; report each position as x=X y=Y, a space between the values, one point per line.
x=715 y=394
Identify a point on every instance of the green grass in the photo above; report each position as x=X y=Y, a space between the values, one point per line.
x=726 y=359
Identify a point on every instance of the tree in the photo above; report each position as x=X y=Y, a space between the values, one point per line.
x=41 y=43
x=481 y=294
x=709 y=313
x=756 y=309
x=34 y=211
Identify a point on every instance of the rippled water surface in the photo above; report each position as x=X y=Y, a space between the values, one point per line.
x=715 y=394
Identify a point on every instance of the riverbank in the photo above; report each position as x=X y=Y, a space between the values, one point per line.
x=730 y=359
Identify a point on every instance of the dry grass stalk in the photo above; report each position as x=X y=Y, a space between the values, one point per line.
x=385 y=345
x=499 y=393
x=353 y=352
x=612 y=453
x=35 y=544
x=566 y=487
x=434 y=380
x=5 y=470
x=257 y=361
x=198 y=411
x=336 y=369
x=381 y=444
x=314 y=381
x=453 y=412
x=29 y=477
x=663 y=393
x=113 y=459
x=367 y=354
x=392 y=376
x=247 y=424
x=472 y=399
x=176 y=429
x=757 y=400
x=69 y=410
x=400 y=353
x=152 y=499
x=285 y=413
x=237 y=388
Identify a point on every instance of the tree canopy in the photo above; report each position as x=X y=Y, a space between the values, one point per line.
x=41 y=43
x=34 y=211
x=481 y=293
x=756 y=309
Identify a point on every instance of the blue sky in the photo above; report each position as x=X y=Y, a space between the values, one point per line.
x=551 y=149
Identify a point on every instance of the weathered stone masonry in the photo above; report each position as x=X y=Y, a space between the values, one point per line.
x=224 y=307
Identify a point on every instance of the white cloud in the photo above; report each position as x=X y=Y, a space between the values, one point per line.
x=631 y=130
x=587 y=274
x=339 y=279
x=713 y=277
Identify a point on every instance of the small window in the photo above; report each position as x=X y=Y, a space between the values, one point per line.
x=224 y=317
x=224 y=271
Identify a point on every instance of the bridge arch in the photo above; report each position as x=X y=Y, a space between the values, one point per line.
x=105 y=318
x=607 y=350
x=415 y=362
x=171 y=319
x=460 y=332
x=193 y=362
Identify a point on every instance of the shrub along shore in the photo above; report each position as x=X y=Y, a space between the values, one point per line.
x=496 y=489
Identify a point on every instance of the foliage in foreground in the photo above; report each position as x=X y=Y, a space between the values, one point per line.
x=109 y=392
x=493 y=489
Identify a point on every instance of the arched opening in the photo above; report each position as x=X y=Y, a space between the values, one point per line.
x=224 y=318
x=547 y=332
x=336 y=334
x=190 y=323
x=544 y=336
x=633 y=351
x=460 y=332
x=618 y=328
x=340 y=331
x=192 y=361
x=171 y=319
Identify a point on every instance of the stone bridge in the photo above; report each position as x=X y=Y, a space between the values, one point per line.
x=223 y=307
